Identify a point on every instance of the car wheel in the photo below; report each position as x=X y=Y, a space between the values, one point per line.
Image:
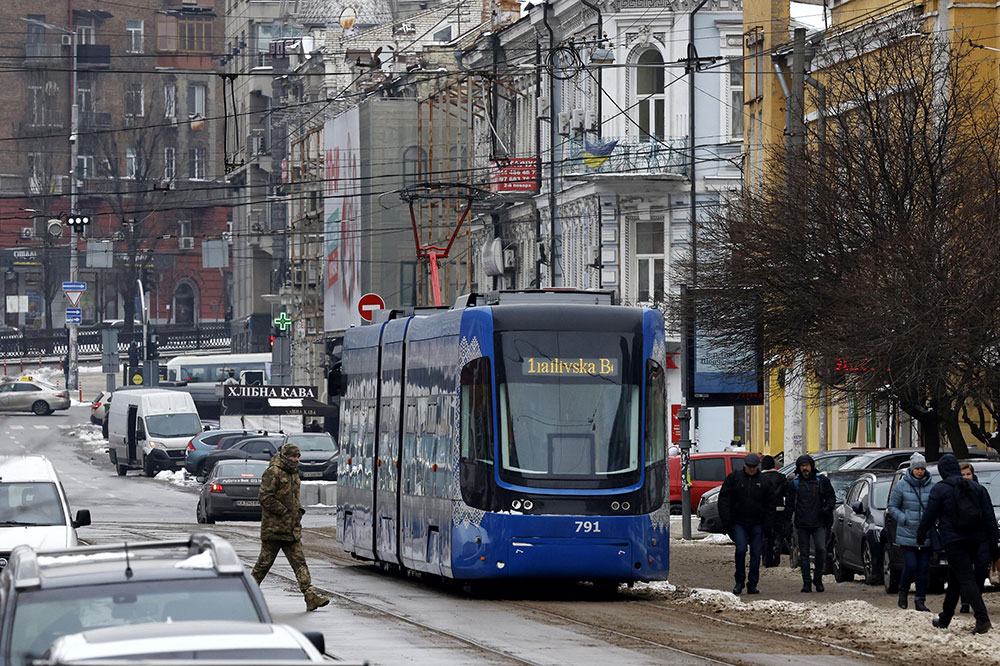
x=840 y=574
x=871 y=571
x=41 y=408
x=147 y=467
x=202 y=514
x=675 y=508
x=890 y=577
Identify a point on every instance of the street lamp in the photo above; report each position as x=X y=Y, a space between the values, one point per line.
x=73 y=376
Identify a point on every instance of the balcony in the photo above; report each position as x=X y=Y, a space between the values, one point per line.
x=663 y=160
x=95 y=120
x=42 y=53
x=93 y=56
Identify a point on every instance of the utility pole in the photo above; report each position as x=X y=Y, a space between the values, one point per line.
x=73 y=376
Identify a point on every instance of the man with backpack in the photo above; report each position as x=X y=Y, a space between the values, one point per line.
x=809 y=500
x=774 y=530
x=963 y=513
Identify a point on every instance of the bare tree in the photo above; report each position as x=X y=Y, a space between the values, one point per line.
x=43 y=186
x=874 y=250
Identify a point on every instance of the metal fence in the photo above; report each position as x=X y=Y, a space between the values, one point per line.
x=171 y=341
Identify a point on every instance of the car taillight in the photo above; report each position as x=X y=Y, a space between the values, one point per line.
x=62 y=394
x=216 y=488
x=97 y=405
x=191 y=444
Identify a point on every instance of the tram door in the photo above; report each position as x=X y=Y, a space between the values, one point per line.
x=387 y=461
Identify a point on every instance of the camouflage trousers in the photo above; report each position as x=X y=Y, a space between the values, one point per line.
x=293 y=553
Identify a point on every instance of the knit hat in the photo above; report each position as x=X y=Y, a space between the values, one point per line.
x=290 y=450
x=918 y=460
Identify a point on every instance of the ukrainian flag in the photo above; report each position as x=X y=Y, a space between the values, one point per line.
x=596 y=156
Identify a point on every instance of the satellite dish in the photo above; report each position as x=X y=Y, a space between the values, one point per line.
x=348 y=17
x=492 y=257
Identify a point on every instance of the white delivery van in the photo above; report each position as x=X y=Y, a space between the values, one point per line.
x=33 y=507
x=149 y=429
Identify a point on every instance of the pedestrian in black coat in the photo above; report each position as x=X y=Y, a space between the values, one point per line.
x=947 y=508
x=776 y=526
x=810 y=500
x=743 y=509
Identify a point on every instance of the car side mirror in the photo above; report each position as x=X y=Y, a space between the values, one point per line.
x=82 y=518
x=201 y=478
x=858 y=508
x=317 y=639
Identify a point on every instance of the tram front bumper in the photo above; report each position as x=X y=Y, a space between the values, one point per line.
x=569 y=558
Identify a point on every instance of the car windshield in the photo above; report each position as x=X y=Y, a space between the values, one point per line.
x=841 y=482
x=880 y=495
x=991 y=481
x=30 y=504
x=861 y=462
x=173 y=425
x=241 y=468
x=41 y=616
x=313 y=442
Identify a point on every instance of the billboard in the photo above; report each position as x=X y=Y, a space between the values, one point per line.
x=518 y=174
x=342 y=221
x=719 y=372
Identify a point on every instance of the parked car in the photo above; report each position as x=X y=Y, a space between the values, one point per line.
x=214 y=640
x=231 y=491
x=255 y=448
x=988 y=473
x=204 y=443
x=34 y=510
x=856 y=541
x=708 y=506
x=707 y=471
x=51 y=593
x=28 y=394
x=319 y=455
x=99 y=407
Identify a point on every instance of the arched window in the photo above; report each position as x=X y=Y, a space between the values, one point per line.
x=414 y=166
x=184 y=304
x=649 y=93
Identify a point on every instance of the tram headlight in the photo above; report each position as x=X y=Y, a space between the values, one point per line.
x=528 y=505
x=516 y=504
x=626 y=506
x=614 y=506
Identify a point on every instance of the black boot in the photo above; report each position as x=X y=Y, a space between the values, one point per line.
x=902 y=599
x=818 y=584
x=982 y=627
x=940 y=622
x=738 y=589
x=806 y=586
x=918 y=604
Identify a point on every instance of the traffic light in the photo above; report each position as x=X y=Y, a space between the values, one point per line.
x=78 y=222
x=152 y=346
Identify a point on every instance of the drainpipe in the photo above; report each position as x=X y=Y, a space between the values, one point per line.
x=552 y=152
x=692 y=62
x=600 y=70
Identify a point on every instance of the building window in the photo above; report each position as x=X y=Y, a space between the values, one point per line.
x=84 y=166
x=196 y=99
x=133 y=34
x=133 y=100
x=194 y=35
x=184 y=302
x=754 y=64
x=131 y=163
x=414 y=165
x=169 y=163
x=649 y=91
x=36 y=172
x=170 y=101
x=36 y=33
x=649 y=260
x=734 y=81
x=85 y=92
x=442 y=35
x=85 y=33
x=37 y=115
x=196 y=163
x=184 y=228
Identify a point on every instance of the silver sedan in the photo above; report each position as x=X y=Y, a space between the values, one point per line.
x=31 y=395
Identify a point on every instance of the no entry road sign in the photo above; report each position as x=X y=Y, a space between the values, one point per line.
x=368 y=304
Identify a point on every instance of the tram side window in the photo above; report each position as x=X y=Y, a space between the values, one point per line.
x=655 y=412
x=477 y=412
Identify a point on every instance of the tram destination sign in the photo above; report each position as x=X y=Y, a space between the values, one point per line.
x=243 y=391
x=569 y=367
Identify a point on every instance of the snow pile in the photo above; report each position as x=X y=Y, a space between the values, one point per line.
x=717 y=538
x=178 y=478
x=909 y=634
x=202 y=560
x=90 y=437
x=657 y=586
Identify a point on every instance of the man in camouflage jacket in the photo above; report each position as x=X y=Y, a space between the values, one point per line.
x=281 y=523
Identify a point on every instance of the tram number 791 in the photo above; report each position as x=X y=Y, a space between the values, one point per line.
x=588 y=526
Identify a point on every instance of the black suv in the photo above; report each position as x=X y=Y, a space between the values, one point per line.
x=48 y=594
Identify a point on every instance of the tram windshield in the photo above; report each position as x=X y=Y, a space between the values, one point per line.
x=569 y=409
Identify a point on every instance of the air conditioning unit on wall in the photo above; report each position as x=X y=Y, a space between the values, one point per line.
x=185 y=243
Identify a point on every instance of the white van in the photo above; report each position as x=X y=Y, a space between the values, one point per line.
x=33 y=507
x=149 y=429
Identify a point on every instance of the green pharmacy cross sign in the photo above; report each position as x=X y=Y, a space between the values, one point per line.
x=282 y=321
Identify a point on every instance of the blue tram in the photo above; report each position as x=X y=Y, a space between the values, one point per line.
x=517 y=435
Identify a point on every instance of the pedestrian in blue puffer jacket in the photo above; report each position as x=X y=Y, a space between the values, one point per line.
x=906 y=506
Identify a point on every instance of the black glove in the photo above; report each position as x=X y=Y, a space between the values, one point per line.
x=921 y=536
